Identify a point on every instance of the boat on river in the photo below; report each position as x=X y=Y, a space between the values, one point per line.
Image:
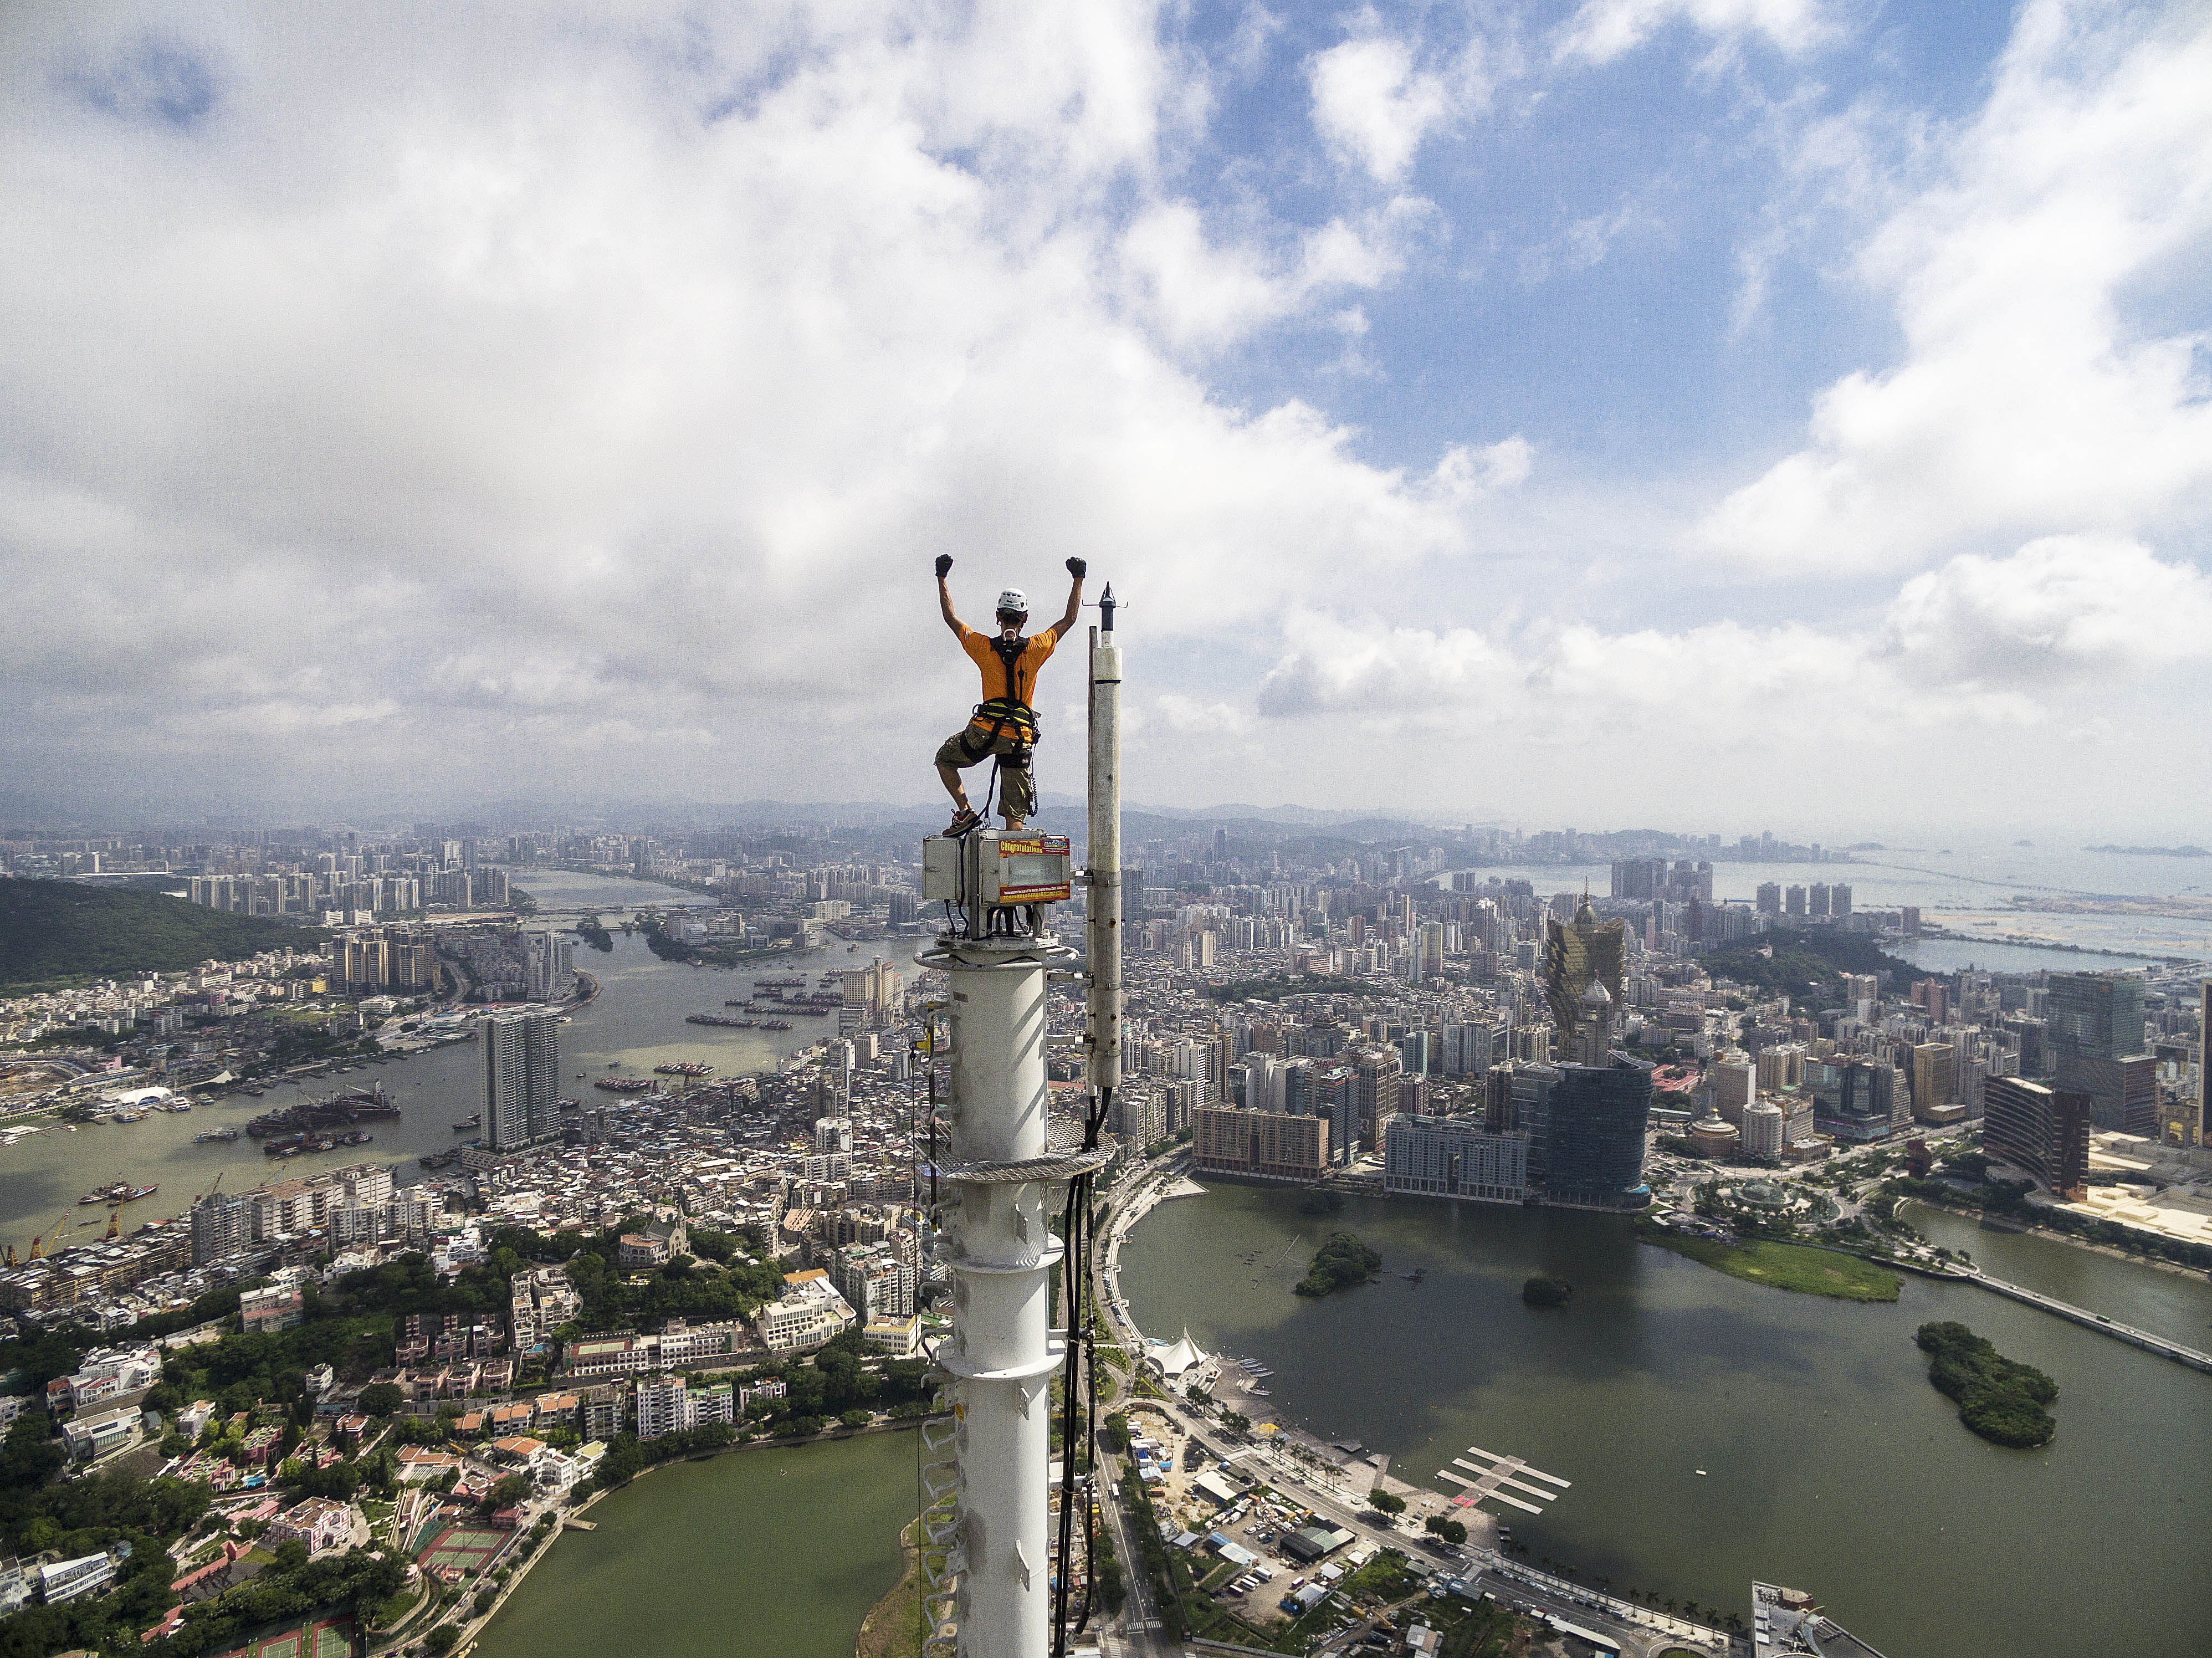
x=345 y=1110
x=215 y=1137
x=121 y=1191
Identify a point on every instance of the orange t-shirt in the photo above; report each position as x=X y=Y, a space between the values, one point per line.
x=998 y=685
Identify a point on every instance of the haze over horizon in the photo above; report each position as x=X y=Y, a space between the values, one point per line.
x=1727 y=414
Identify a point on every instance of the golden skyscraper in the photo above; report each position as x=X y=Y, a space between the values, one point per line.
x=1581 y=952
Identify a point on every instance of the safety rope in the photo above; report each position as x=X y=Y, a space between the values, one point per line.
x=1079 y=1380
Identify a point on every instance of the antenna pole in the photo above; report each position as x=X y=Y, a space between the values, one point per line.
x=1103 y=890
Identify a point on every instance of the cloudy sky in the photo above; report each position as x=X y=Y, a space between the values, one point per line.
x=1713 y=414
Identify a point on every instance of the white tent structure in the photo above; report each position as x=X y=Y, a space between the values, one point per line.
x=1174 y=1359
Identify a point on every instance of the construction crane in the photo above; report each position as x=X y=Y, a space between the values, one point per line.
x=54 y=1232
x=114 y=1223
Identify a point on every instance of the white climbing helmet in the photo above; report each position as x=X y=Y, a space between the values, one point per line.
x=1016 y=601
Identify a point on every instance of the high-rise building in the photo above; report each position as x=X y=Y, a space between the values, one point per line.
x=548 y=965
x=1762 y=1129
x=1332 y=1096
x=2042 y=1130
x=662 y=1407
x=2095 y=1029
x=1580 y=953
x=1432 y=949
x=2203 y=1060
x=1454 y=1157
x=1733 y=1087
x=1817 y=900
x=1262 y=1144
x=1375 y=1093
x=1934 y=1080
x=1639 y=878
x=222 y=1224
x=1769 y=898
x=1793 y=901
x=1591 y=1134
x=522 y=1078
x=1417 y=1051
x=1470 y=1049
x=1839 y=899
x=1854 y=1100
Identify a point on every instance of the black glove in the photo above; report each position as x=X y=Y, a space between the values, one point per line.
x=1078 y=568
x=944 y=565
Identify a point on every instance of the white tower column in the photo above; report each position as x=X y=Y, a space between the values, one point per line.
x=1003 y=1348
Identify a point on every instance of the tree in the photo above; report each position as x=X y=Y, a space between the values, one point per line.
x=381 y=1399
x=515 y=1488
x=1382 y=1500
x=1451 y=1531
x=443 y=1639
x=482 y=1604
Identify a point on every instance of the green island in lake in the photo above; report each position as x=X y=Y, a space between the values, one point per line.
x=1784 y=1266
x=1338 y=1264
x=2000 y=1398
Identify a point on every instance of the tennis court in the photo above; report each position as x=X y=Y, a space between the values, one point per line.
x=460 y=1548
x=332 y=1639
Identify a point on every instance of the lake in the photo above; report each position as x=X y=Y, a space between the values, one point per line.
x=1831 y=1464
x=755 y=1554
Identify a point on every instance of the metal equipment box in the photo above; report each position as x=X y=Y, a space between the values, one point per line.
x=941 y=870
x=988 y=867
x=1025 y=869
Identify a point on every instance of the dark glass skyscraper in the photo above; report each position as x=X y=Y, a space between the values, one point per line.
x=2096 y=1035
x=1591 y=1134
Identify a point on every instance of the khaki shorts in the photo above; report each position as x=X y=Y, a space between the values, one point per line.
x=967 y=747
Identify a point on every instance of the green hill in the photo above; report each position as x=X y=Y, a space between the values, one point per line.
x=51 y=930
x=1805 y=964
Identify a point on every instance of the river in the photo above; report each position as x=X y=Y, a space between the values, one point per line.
x=1830 y=1462
x=757 y=1554
x=635 y=1023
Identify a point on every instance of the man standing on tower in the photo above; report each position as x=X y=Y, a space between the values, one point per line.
x=1004 y=723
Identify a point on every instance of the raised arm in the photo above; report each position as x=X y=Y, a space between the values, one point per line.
x=945 y=594
x=1077 y=568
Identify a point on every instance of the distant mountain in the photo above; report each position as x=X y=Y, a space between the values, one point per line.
x=2153 y=852
x=61 y=929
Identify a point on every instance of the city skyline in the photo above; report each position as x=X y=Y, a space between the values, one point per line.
x=420 y=412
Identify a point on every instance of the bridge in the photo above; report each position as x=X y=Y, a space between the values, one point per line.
x=2164 y=1347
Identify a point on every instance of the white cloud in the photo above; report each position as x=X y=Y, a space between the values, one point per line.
x=1202 y=293
x=1372 y=107
x=2028 y=399
x=2060 y=609
x=1376 y=101
x=1999 y=642
x=512 y=401
x=1603 y=30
